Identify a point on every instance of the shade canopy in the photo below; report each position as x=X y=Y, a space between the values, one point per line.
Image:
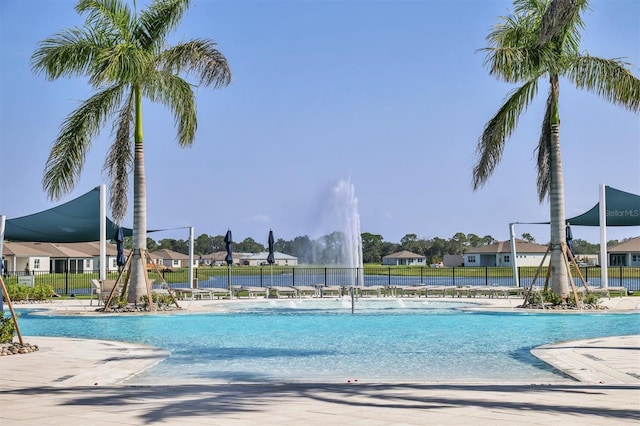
x=72 y=222
x=623 y=209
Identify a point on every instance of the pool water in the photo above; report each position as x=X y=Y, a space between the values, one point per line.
x=321 y=341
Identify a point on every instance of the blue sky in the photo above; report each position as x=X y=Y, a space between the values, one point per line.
x=390 y=94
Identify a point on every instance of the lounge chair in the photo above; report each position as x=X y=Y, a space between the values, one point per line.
x=254 y=291
x=331 y=290
x=280 y=291
x=374 y=290
x=410 y=290
x=305 y=290
x=192 y=293
x=96 y=288
x=218 y=292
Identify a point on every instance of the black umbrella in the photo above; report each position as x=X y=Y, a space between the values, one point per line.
x=271 y=257
x=228 y=243
x=570 y=240
x=120 y=260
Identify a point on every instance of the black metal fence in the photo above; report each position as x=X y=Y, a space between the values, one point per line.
x=222 y=277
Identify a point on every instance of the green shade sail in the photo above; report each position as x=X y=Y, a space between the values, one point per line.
x=622 y=209
x=73 y=222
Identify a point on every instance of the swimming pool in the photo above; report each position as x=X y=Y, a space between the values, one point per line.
x=321 y=341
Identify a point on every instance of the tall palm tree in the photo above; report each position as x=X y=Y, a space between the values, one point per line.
x=125 y=56
x=540 y=41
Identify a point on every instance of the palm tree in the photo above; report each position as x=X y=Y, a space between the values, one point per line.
x=125 y=56
x=541 y=41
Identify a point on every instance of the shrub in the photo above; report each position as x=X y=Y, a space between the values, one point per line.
x=7 y=329
x=21 y=292
x=546 y=296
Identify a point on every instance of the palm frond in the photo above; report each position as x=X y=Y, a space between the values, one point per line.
x=177 y=94
x=65 y=54
x=608 y=78
x=120 y=63
x=119 y=161
x=108 y=15
x=68 y=152
x=498 y=129
x=544 y=151
x=158 y=20
x=198 y=56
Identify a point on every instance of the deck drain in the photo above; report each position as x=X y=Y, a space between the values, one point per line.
x=63 y=378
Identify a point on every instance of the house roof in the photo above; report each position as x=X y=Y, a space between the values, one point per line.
x=505 y=247
x=404 y=254
x=220 y=256
x=629 y=246
x=11 y=248
x=168 y=254
x=72 y=250
x=263 y=256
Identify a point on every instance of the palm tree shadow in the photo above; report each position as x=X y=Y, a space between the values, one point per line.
x=164 y=403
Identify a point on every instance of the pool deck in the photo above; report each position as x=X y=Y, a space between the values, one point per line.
x=84 y=382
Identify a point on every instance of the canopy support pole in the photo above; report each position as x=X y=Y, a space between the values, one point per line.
x=103 y=232
x=514 y=265
x=191 y=283
x=2 y=222
x=604 y=261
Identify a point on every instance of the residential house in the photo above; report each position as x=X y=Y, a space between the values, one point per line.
x=404 y=258
x=171 y=259
x=626 y=253
x=74 y=258
x=499 y=254
x=258 y=259
x=218 y=258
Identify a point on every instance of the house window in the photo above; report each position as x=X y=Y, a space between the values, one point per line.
x=114 y=263
x=505 y=258
x=36 y=263
x=635 y=257
x=88 y=264
x=471 y=259
x=175 y=263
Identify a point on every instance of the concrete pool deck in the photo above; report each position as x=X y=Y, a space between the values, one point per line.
x=84 y=382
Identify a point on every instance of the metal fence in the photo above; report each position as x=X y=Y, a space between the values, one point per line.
x=222 y=277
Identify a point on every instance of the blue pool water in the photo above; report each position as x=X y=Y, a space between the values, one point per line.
x=320 y=340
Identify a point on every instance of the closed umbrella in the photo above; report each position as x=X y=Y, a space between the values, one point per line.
x=120 y=260
x=271 y=257
x=570 y=240
x=228 y=243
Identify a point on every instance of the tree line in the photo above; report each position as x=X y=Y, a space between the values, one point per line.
x=323 y=249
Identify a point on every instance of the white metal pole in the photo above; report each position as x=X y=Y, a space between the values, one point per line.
x=514 y=264
x=103 y=232
x=604 y=261
x=191 y=283
x=2 y=223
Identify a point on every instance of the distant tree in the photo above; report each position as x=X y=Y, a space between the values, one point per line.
x=249 y=245
x=487 y=240
x=371 y=248
x=585 y=247
x=203 y=244
x=389 y=248
x=474 y=240
x=528 y=237
x=179 y=246
x=151 y=244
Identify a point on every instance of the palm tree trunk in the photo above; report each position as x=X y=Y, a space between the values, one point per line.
x=137 y=283
x=559 y=277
